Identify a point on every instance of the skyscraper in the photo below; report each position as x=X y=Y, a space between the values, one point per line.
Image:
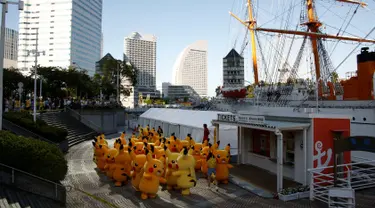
x=11 y=48
x=191 y=67
x=140 y=51
x=69 y=32
x=233 y=70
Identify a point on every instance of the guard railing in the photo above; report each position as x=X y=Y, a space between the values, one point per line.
x=357 y=175
x=32 y=183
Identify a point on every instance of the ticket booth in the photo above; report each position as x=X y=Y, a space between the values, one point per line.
x=286 y=145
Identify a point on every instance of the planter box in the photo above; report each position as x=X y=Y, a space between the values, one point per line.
x=288 y=197
x=304 y=195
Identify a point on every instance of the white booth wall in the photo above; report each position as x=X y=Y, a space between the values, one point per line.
x=183 y=122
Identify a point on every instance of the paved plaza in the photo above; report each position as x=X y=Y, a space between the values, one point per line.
x=83 y=176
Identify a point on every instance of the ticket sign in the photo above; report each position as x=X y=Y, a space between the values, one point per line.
x=248 y=119
x=226 y=117
x=251 y=119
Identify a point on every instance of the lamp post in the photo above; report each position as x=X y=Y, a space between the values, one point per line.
x=41 y=85
x=79 y=81
x=4 y=4
x=118 y=82
x=36 y=53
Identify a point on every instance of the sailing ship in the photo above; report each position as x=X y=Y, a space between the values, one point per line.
x=353 y=96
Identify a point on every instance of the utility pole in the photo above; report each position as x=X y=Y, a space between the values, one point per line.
x=4 y=4
x=36 y=53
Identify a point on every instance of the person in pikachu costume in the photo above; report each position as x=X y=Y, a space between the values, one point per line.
x=172 y=167
x=197 y=148
x=100 y=155
x=138 y=162
x=222 y=166
x=110 y=162
x=152 y=177
x=204 y=153
x=121 y=173
x=186 y=172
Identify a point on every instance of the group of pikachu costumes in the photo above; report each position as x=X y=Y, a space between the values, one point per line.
x=150 y=159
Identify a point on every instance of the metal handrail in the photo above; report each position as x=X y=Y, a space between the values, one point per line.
x=29 y=174
x=82 y=117
x=321 y=182
x=56 y=185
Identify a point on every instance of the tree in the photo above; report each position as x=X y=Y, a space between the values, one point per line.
x=334 y=77
x=11 y=79
x=108 y=73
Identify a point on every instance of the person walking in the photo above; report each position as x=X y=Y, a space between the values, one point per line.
x=206 y=132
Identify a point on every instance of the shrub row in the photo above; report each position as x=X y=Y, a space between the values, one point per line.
x=33 y=156
x=25 y=120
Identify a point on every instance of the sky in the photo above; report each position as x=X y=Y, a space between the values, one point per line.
x=178 y=23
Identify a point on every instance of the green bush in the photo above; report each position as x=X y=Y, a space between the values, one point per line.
x=33 y=156
x=25 y=120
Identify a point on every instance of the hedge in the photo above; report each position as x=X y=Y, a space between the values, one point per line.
x=33 y=156
x=25 y=120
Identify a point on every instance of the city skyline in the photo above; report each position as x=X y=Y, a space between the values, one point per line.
x=69 y=33
x=180 y=23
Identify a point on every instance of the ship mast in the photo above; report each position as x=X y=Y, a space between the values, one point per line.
x=250 y=24
x=313 y=25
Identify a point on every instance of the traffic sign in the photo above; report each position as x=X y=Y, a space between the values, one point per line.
x=20 y=90
x=20 y=84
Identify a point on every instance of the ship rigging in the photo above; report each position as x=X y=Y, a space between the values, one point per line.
x=310 y=30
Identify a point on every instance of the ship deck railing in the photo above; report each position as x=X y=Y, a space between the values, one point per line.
x=355 y=175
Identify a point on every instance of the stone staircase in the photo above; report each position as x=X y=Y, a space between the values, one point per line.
x=77 y=131
x=10 y=197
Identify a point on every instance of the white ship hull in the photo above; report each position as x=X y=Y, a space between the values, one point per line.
x=361 y=112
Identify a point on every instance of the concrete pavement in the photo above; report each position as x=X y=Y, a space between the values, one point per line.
x=83 y=176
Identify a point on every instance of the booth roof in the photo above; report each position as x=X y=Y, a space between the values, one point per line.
x=182 y=117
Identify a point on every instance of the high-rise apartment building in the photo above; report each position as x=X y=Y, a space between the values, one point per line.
x=233 y=70
x=191 y=67
x=68 y=31
x=140 y=51
x=11 y=48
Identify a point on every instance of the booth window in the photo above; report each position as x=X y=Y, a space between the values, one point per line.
x=261 y=143
x=289 y=149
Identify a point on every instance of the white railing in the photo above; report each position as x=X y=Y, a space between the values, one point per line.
x=358 y=175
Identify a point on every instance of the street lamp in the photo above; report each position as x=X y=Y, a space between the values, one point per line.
x=4 y=4
x=36 y=53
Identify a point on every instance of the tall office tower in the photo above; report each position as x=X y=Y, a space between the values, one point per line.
x=233 y=70
x=68 y=32
x=191 y=67
x=140 y=51
x=11 y=48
